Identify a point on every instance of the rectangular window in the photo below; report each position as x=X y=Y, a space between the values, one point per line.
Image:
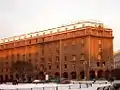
x=103 y=63
x=100 y=50
x=49 y=67
x=73 y=66
x=74 y=57
x=57 y=66
x=57 y=51
x=24 y=57
x=65 y=58
x=82 y=56
x=42 y=59
x=99 y=41
x=57 y=58
x=65 y=65
x=98 y=64
x=50 y=59
x=99 y=57
x=6 y=63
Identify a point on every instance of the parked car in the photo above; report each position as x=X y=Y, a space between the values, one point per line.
x=38 y=81
x=64 y=81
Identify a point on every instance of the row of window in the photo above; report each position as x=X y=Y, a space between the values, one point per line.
x=65 y=66
x=117 y=59
x=18 y=57
x=29 y=42
x=49 y=66
x=99 y=64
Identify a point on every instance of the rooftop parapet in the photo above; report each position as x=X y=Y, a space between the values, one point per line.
x=81 y=24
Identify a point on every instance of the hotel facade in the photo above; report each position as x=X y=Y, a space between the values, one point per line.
x=83 y=50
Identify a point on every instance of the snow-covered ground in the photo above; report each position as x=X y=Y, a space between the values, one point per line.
x=51 y=86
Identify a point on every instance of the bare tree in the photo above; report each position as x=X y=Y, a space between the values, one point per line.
x=22 y=68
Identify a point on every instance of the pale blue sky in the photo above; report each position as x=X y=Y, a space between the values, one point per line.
x=22 y=16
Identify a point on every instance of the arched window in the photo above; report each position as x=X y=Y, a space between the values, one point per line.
x=57 y=74
x=65 y=75
x=73 y=74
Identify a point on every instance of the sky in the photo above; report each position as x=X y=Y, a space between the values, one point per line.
x=23 y=16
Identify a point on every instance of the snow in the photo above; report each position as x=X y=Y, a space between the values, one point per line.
x=51 y=86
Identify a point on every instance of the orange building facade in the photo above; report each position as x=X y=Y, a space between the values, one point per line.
x=77 y=51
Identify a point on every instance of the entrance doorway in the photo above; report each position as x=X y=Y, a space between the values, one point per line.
x=92 y=74
x=82 y=74
x=100 y=74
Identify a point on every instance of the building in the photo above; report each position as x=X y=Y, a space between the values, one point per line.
x=117 y=60
x=83 y=50
x=116 y=63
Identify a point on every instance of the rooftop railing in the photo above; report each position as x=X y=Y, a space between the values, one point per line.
x=81 y=24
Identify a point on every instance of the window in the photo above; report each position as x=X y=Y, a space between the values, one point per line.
x=65 y=58
x=100 y=41
x=50 y=59
x=57 y=66
x=49 y=67
x=57 y=58
x=24 y=56
x=42 y=59
x=74 y=57
x=6 y=63
x=57 y=50
x=100 y=50
x=98 y=64
x=65 y=65
x=73 y=66
x=99 y=57
x=82 y=56
x=103 y=63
